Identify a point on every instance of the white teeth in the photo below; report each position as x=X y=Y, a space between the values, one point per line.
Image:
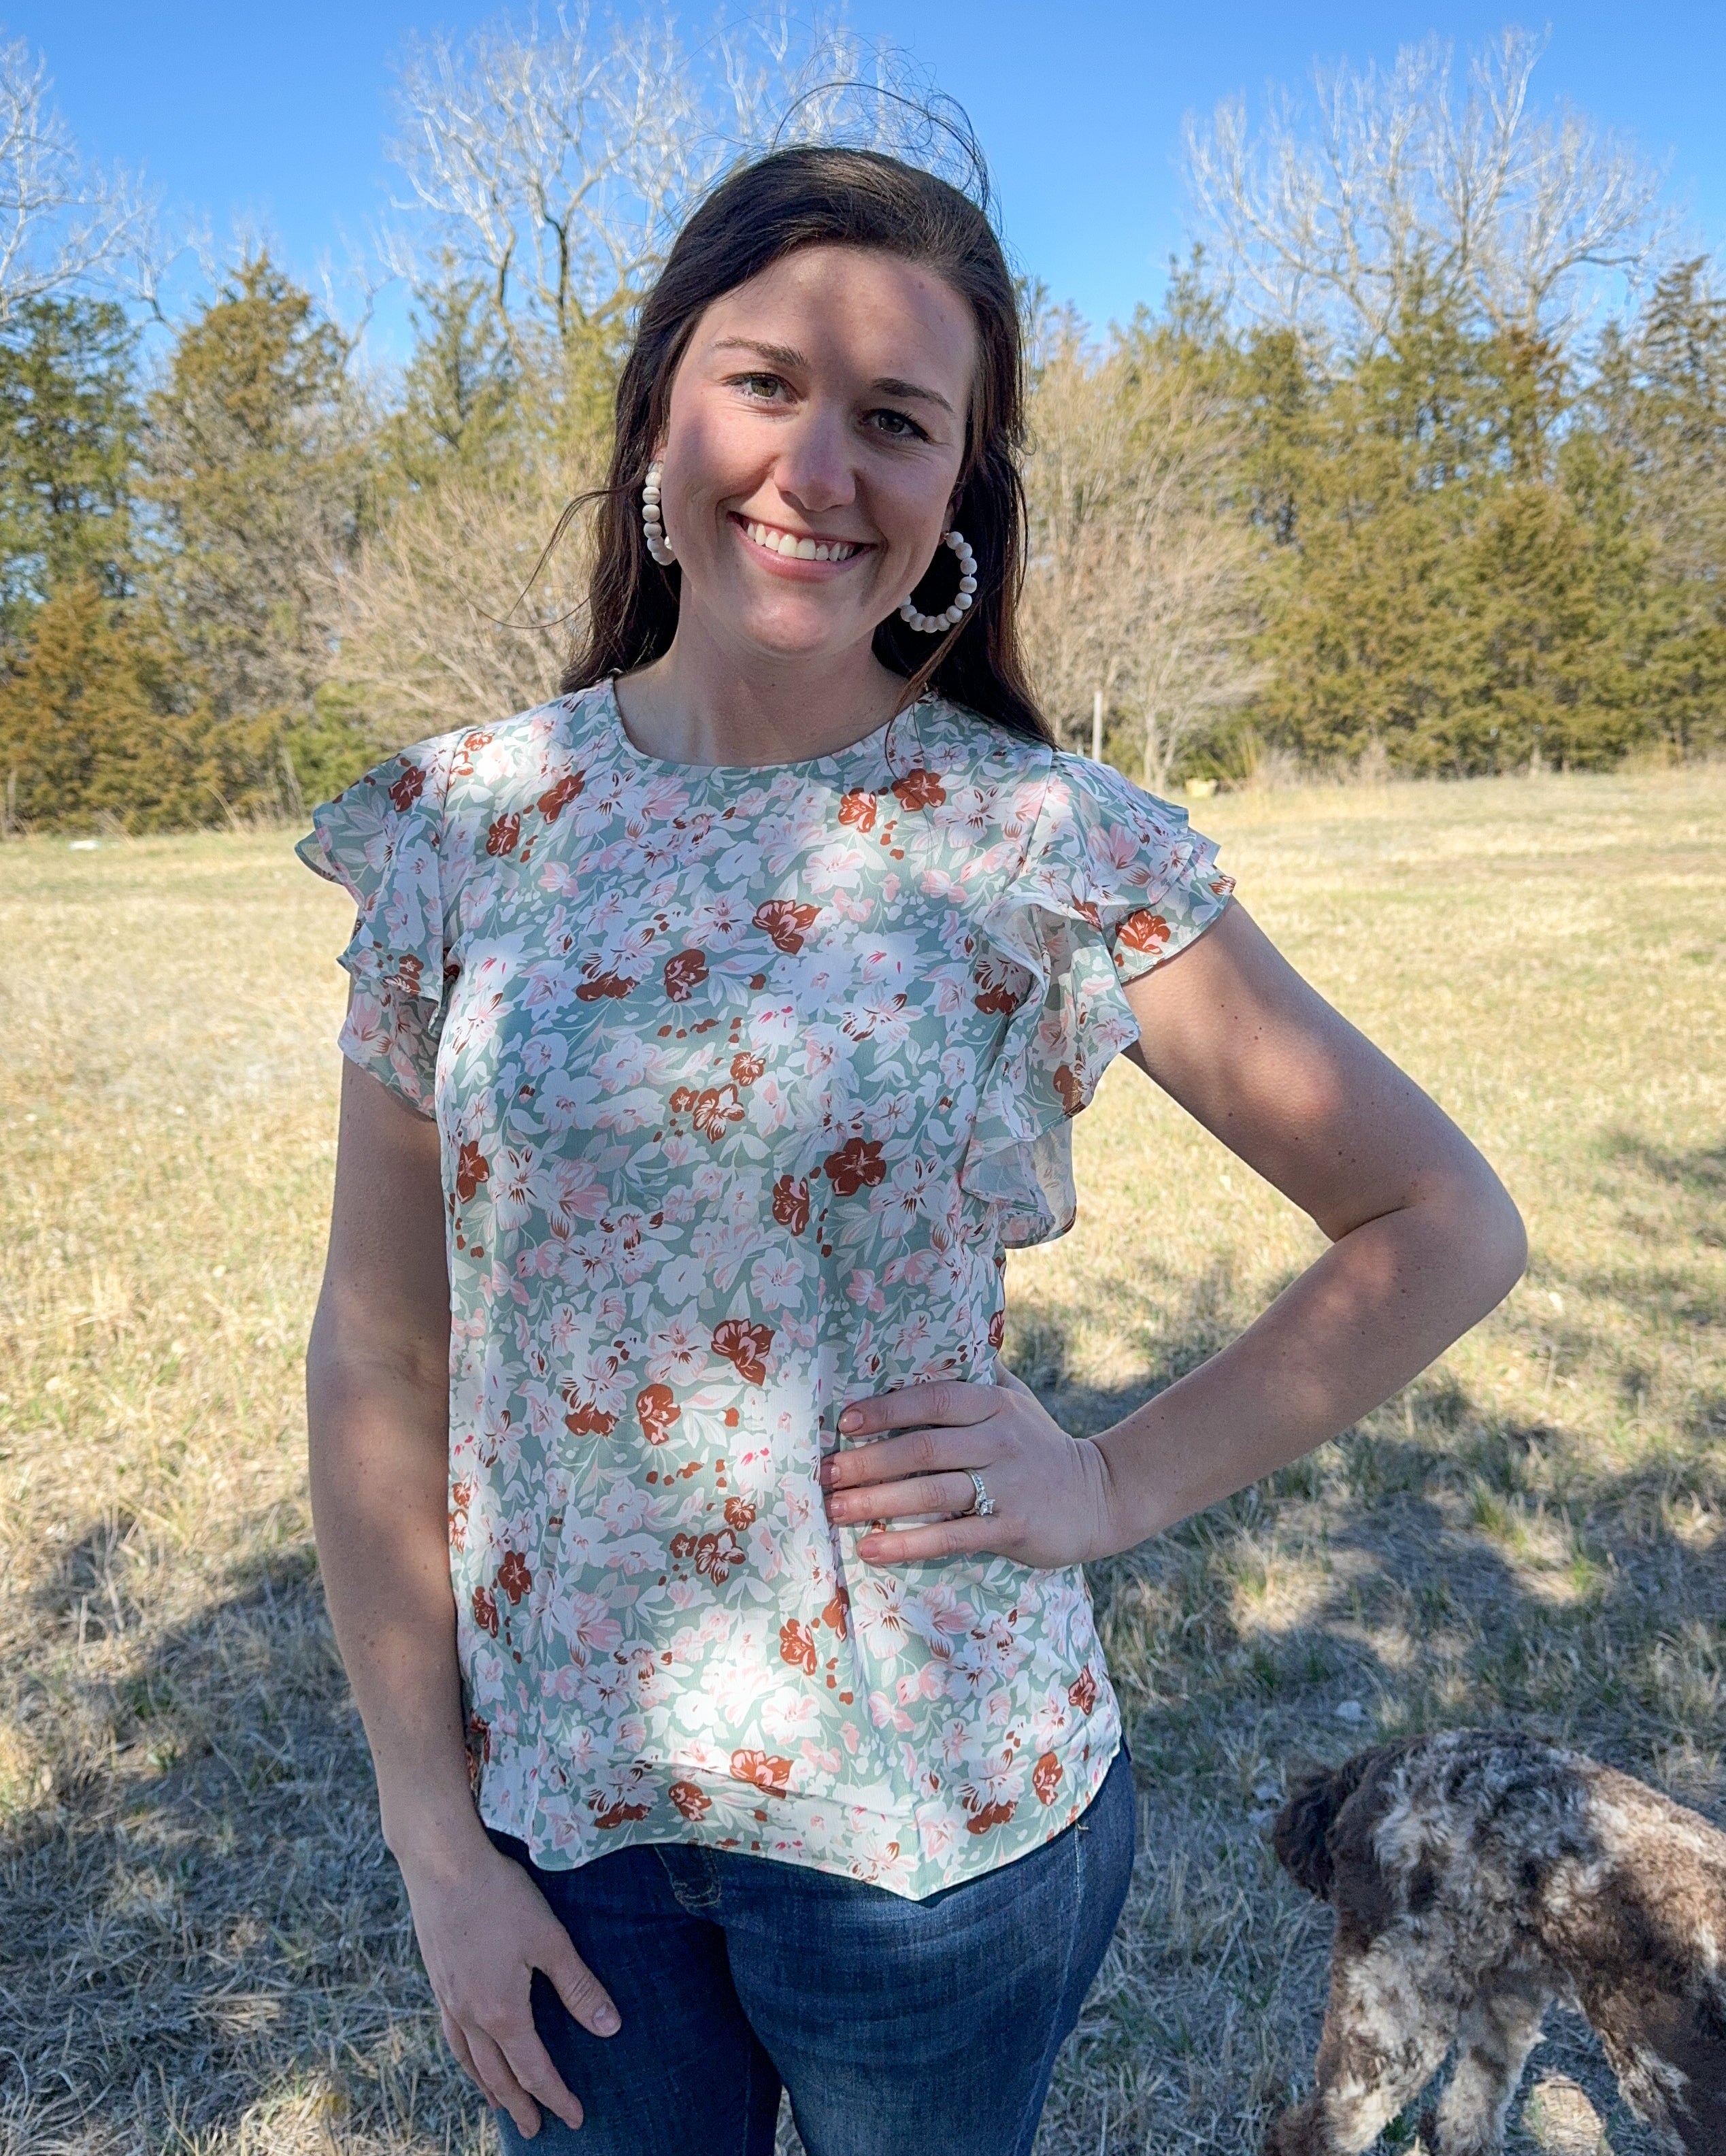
x=787 y=544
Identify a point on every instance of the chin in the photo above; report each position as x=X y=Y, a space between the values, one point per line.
x=797 y=633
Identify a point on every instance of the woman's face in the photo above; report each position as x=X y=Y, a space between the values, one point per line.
x=813 y=443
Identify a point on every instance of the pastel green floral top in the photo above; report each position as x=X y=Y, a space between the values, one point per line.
x=746 y=1079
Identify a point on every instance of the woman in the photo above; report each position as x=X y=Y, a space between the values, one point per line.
x=709 y=1589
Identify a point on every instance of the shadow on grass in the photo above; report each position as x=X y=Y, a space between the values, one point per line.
x=1444 y=1563
x=204 y=1932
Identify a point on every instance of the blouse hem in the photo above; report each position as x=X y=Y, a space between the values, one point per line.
x=791 y=1828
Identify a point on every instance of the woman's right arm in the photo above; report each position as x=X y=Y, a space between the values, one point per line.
x=378 y=1384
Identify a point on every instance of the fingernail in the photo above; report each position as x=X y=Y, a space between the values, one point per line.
x=849 y=1419
x=606 y=2021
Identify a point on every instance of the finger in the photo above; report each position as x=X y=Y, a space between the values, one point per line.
x=456 y=2038
x=891 y=1501
x=941 y=1399
x=970 y=1536
x=531 y=2063
x=503 y=2092
x=581 y=1991
x=891 y=1458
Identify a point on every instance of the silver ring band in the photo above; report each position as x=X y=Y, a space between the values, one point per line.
x=982 y=1504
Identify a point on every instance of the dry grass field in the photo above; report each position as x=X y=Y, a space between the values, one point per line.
x=203 y=1945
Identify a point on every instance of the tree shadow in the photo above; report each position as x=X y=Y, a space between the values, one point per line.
x=1444 y=1563
x=203 y=1928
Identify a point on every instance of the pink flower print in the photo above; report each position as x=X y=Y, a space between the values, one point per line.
x=776 y=1280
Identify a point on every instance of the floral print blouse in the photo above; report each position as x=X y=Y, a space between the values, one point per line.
x=745 y=1078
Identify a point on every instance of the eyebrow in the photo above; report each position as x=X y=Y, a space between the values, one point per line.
x=782 y=355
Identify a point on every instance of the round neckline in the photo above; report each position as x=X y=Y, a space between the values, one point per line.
x=875 y=740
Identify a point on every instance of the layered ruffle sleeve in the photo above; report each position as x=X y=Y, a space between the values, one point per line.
x=383 y=840
x=1113 y=884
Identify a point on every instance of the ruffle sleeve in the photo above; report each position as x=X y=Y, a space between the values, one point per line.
x=381 y=841
x=1113 y=884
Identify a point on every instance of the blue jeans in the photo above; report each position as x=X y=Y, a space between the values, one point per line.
x=896 y=2026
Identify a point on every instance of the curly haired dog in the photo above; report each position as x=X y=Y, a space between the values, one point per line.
x=1477 y=1876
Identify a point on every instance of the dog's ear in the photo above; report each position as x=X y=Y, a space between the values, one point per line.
x=1300 y=1833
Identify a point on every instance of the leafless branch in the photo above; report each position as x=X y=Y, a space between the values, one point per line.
x=554 y=164
x=63 y=226
x=1328 y=224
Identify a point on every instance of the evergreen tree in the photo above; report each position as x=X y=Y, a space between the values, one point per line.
x=1659 y=402
x=459 y=409
x=68 y=435
x=257 y=467
x=98 y=725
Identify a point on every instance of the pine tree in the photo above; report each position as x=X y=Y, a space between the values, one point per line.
x=69 y=425
x=98 y=723
x=257 y=467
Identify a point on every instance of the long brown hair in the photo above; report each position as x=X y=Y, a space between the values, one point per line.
x=806 y=196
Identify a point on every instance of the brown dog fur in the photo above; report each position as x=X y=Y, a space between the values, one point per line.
x=1475 y=1877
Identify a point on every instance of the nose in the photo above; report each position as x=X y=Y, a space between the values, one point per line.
x=815 y=471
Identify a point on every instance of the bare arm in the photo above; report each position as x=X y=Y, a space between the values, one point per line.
x=1425 y=1241
x=377 y=1390
x=377 y=1393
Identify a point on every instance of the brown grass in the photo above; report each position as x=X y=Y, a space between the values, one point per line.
x=203 y=1945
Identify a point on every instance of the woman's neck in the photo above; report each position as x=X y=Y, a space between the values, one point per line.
x=708 y=701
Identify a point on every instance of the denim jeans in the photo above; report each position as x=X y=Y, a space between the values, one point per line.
x=896 y=2026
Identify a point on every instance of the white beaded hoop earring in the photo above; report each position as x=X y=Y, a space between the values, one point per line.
x=933 y=624
x=653 y=529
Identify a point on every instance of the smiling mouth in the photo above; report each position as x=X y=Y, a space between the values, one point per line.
x=797 y=546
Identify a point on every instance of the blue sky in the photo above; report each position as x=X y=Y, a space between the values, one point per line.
x=276 y=116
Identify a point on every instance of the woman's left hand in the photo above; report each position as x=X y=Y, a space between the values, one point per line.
x=1051 y=1493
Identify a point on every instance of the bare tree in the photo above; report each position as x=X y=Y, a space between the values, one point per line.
x=432 y=622
x=1077 y=484
x=1138 y=583
x=62 y=225
x=1328 y=227
x=556 y=166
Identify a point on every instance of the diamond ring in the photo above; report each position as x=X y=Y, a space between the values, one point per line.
x=983 y=1505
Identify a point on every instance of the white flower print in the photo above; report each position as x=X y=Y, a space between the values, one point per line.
x=736 y=1115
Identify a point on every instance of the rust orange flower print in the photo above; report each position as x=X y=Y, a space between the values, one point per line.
x=745 y=1082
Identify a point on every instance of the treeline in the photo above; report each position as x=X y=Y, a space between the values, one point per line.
x=1382 y=494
